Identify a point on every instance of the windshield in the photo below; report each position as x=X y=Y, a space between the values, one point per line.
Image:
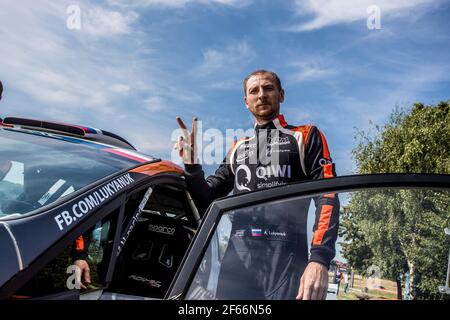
x=37 y=169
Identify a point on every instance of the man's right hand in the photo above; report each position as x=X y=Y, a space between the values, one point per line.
x=187 y=144
x=82 y=273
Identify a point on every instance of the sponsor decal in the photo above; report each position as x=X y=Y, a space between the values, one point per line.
x=275 y=233
x=161 y=229
x=134 y=219
x=128 y=154
x=239 y=233
x=264 y=172
x=92 y=201
x=247 y=146
x=248 y=177
x=278 y=141
x=257 y=232
x=275 y=171
x=150 y=282
x=244 y=155
x=271 y=184
x=324 y=162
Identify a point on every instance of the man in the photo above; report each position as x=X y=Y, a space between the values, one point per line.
x=302 y=152
x=338 y=279
x=346 y=282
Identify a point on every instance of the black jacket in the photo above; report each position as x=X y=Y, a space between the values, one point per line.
x=276 y=155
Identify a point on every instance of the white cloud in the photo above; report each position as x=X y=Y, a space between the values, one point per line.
x=235 y=55
x=155 y=103
x=311 y=68
x=310 y=72
x=177 y=3
x=332 y=12
x=86 y=76
x=120 y=88
x=98 y=21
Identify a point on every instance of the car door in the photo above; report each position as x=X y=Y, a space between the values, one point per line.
x=391 y=242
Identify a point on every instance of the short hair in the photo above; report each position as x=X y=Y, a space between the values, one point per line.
x=262 y=71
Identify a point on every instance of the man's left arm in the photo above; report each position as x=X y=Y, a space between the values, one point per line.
x=319 y=165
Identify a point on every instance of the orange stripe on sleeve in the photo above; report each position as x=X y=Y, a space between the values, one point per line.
x=79 y=244
x=326 y=152
x=328 y=171
x=325 y=216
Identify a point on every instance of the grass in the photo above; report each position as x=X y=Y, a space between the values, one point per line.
x=389 y=290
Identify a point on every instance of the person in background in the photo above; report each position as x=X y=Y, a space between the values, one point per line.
x=346 y=283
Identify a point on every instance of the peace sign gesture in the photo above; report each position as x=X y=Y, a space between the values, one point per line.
x=187 y=144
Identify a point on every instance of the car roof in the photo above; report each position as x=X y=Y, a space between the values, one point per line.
x=78 y=131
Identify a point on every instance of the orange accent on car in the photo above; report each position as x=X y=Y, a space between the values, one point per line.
x=164 y=166
x=324 y=221
x=79 y=244
x=330 y=195
x=328 y=171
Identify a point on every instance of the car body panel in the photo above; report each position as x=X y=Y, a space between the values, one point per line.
x=163 y=166
x=10 y=259
x=55 y=220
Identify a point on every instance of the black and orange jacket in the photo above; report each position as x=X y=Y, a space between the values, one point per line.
x=276 y=155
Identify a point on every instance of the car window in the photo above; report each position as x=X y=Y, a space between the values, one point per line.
x=391 y=245
x=153 y=250
x=36 y=170
x=59 y=275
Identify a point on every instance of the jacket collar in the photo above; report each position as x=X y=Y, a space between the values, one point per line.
x=275 y=123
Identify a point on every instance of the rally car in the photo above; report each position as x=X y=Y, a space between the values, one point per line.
x=147 y=240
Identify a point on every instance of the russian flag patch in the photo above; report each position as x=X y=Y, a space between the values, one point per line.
x=257 y=233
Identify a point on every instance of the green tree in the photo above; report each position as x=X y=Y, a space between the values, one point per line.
x=402 y=230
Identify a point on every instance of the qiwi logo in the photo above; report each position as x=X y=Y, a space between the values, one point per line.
x=242 y=183
x=276 y=171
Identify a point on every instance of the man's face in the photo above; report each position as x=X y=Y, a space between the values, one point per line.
x=263 y=97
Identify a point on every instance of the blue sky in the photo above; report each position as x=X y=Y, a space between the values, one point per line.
x=133 y=66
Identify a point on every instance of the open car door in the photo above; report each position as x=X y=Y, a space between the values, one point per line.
x=391 y=243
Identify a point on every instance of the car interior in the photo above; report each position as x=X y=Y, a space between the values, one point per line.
x=149 y=258
x=156 y=245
